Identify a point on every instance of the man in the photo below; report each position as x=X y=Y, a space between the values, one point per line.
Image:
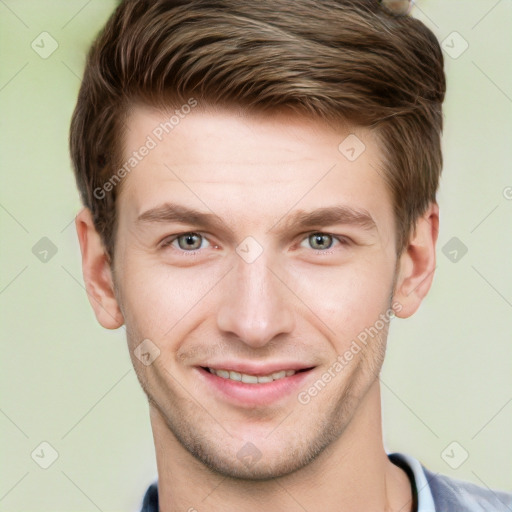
x=259 y=181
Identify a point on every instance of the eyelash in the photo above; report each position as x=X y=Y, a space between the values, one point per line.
x=342 y=240
x=168 y=241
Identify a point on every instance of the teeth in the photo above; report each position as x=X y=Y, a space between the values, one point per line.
x=252 y=379
x=249 y=379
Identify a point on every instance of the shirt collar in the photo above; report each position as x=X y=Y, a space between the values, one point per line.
x=425 y=498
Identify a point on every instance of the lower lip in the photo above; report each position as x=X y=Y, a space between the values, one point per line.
x=250 y=395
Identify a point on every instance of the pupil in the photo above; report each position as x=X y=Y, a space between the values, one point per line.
x=190 y=241
x=320 y=240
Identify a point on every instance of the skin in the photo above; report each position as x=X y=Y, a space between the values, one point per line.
x=294 y=302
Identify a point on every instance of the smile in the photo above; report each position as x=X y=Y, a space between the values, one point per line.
x=247 y=390
x=252 y=379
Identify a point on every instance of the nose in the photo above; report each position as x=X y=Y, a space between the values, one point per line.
x=256 y=305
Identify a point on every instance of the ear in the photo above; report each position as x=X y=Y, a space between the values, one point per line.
x=417 y=263
x=97 y=272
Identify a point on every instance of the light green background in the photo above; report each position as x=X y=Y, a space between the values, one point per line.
x=67 y=381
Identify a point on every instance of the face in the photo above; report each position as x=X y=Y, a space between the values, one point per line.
x=253 y=245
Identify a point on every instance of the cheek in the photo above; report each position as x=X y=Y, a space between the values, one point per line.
x=159 y=299
x=348 y=298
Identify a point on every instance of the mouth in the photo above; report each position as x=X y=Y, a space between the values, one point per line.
x=249 y=390
x=248 y=378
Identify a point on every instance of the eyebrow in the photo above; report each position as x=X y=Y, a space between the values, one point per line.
x=328 y=216
x=169 y=212
x=301 y=219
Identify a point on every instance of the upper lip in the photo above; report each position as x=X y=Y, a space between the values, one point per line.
x=252 y=368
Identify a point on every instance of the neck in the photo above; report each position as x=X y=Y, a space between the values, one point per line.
x=352 y=474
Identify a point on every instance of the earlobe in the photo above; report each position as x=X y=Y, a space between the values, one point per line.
x=417 y=264
x=97 y=273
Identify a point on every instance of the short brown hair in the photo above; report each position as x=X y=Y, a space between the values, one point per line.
x=340 y=60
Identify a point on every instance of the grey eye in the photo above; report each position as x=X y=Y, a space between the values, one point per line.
x=320 y=241
x=190 y=241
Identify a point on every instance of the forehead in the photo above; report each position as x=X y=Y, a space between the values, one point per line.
x=249 y=166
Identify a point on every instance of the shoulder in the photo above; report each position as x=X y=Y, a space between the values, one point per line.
x=453 y=494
